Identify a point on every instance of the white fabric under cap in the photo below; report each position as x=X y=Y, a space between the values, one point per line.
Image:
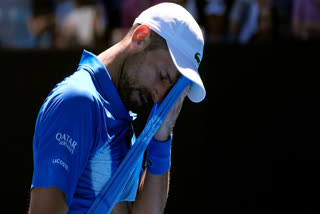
x=184 y=39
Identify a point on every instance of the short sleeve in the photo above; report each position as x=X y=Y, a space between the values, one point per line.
x=63 y=138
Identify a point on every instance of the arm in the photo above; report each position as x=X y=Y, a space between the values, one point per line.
x=152 y=194
x=47 y=200
x=153 y=191
x=57 y=168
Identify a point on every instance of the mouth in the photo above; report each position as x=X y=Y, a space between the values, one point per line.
x=139 y=99
x=142 y=98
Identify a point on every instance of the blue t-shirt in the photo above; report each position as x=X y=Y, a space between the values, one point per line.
x=83 y=131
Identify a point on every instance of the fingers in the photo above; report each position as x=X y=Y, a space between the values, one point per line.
x=185 y=92
x=168 y=123
x=178 y=104
x=175 y=111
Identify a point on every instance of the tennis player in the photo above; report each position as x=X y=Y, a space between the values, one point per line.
x=84 y=127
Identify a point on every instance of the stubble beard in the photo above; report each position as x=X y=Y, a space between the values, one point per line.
x=129 y=94
x=128 y=86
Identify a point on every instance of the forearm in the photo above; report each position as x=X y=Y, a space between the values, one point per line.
x=152 y=194
x=154 y=186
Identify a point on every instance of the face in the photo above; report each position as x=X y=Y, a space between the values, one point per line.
x=146 y=78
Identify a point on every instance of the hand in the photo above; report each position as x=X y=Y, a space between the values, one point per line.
x=168 y=123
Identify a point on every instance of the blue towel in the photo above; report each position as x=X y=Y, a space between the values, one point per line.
x=112 y=191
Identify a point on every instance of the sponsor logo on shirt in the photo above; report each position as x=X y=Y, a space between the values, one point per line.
x=60 y=162
x=67 y=141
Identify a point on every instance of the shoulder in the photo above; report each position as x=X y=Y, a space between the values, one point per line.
x=72 y=95
x=70 y=98
x=77 y=94
x=78 y=89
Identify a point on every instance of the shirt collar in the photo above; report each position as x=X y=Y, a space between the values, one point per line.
x=91 y=63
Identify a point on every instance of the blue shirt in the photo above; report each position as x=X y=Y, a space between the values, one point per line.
x=83 y=131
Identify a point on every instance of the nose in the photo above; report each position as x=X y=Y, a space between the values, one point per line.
x=156 y=97
x=159 y=91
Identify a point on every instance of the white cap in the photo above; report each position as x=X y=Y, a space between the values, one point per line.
x=184 y=39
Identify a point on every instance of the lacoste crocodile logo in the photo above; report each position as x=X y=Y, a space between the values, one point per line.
x=197 y=57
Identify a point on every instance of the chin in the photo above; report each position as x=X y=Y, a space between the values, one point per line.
x=132 y=103
x=142 y=109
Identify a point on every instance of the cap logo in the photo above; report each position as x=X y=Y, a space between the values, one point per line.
x=197 y=57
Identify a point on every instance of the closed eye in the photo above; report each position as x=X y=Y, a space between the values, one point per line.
x=165 y=76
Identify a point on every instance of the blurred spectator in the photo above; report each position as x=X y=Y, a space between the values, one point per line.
x=250 y=21
x=113 y=17
x=189 y=5
x=129 y=10
x=132 y=8
x=46 y=21
x=306 y=19
x=84 y=26
x=42 y=23
x=215 y=13
x=282 y=13
x=243 y=21
x=67 y=23
x=264 y=34
x=62 y=9
x=13 y=22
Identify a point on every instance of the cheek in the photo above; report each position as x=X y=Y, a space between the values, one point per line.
x=137 y=72
x=140 y=71
x=145 y=75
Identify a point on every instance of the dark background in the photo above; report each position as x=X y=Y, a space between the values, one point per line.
x=249 y=147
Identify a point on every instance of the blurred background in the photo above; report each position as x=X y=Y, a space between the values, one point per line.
x=249 y=147
x=74 y=24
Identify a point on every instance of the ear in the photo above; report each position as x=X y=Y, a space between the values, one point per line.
x=140 y=38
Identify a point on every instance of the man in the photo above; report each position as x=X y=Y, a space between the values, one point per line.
x=84 y=130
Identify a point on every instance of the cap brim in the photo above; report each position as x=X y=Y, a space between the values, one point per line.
x=197 y=91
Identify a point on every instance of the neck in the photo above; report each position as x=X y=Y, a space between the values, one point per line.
x=113 y=58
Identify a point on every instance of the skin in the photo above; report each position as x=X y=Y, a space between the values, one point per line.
x=141 y=80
